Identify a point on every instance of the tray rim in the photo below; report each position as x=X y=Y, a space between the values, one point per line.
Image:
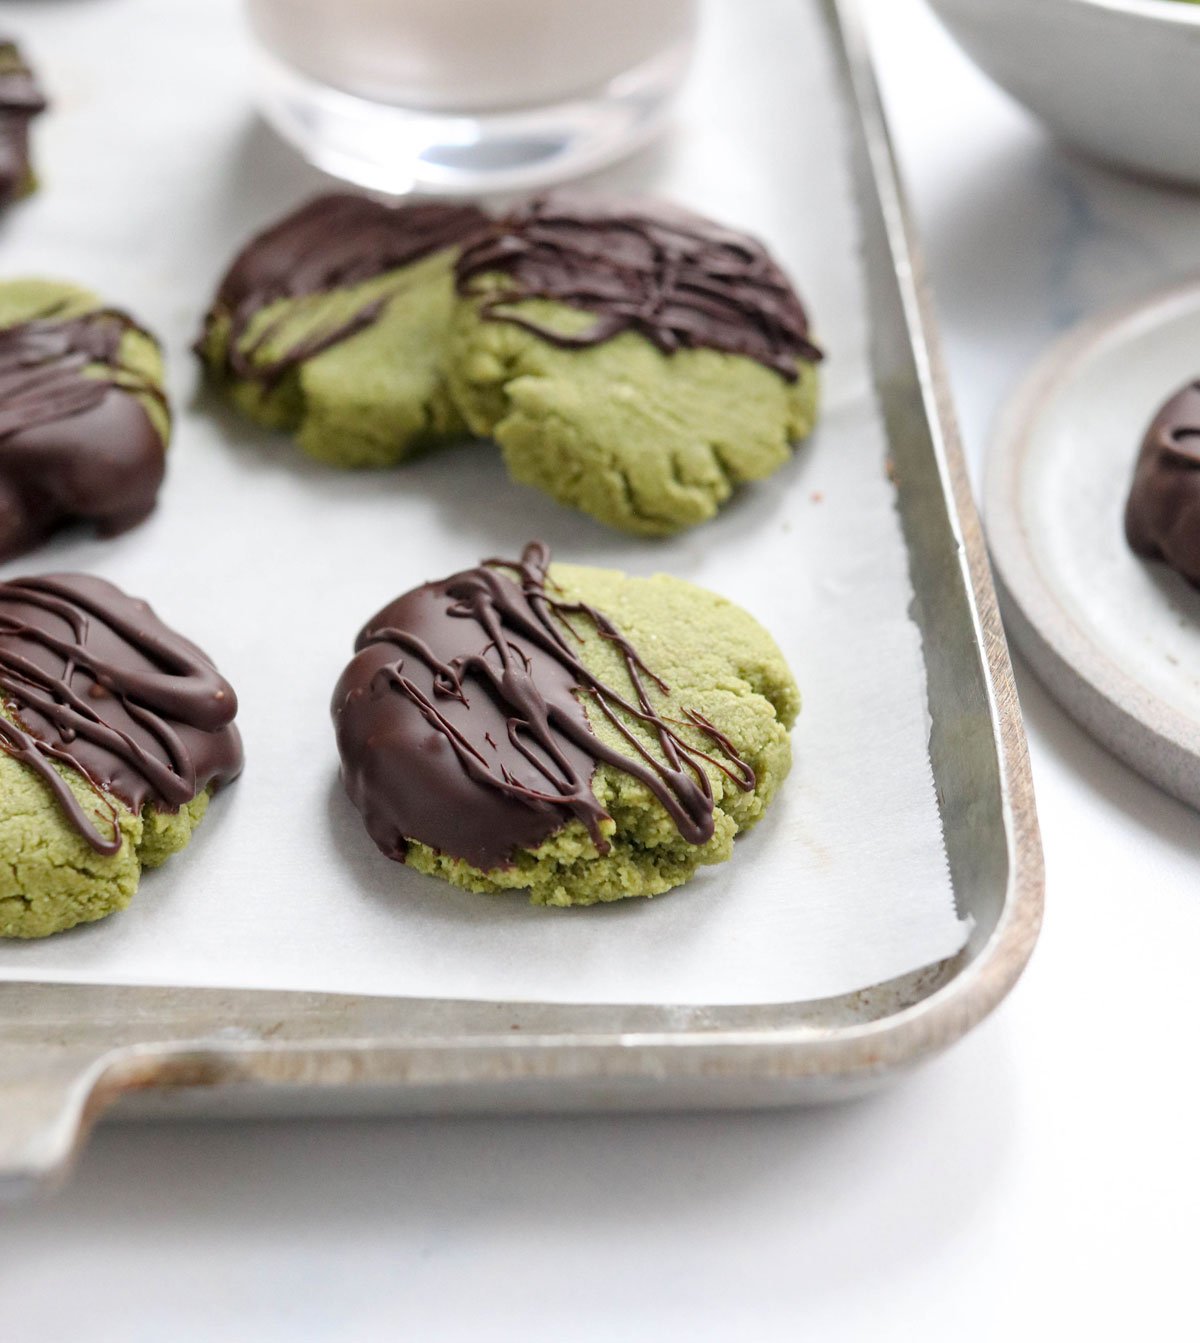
x=1158 y=740
x=678 y=1051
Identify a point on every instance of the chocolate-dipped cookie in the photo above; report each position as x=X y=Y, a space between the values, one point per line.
x=332 y=323
x=573 y=733
x=20 y=101
x=114 y=733
x=1162 y=515
x=83 y=418
x=633 y=360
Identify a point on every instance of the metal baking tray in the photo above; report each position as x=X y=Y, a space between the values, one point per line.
x=69 y=1052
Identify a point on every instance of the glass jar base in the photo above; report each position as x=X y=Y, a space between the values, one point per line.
x=400 y=151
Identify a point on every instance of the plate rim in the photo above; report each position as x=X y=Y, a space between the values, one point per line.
x=1158 y=740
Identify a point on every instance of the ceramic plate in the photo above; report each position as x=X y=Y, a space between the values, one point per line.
x=1115 y=638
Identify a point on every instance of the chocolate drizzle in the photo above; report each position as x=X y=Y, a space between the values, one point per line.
x=333 y=242
x=675 y=278
x=20 y=101
x=93 y=679
x=1162 y=516
x=462 y=722
x=75 y=440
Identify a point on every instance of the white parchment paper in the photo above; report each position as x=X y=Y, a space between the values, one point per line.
x=155 y=169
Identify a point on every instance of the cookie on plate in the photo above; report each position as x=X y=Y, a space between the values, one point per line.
x=569 y=732
x=84 y=422
x=114 y=732
x=1162 y=516
x=20 y=101
x=633 y=360
x=332 y=322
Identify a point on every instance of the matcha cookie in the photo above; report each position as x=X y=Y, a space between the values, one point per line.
x=632 y=360
x=114 y=732
x=569 y=732
x=20 y=101
x=1162 y=516
x=332 y=324
x=83 y=418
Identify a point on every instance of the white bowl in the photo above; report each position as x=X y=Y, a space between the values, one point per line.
x=1119 y=79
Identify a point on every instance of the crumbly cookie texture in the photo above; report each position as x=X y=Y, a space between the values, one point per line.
x=646 y=442
x=718 y=661
x=370 y=400
x=50 y=878
x=114 y=730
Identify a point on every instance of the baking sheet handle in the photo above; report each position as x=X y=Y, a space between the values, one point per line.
x=53 y=1089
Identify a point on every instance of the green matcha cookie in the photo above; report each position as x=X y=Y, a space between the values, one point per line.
x=50 y=876
x=332 y=324
x=21 y=100
x=633 y=361
x=114 y=733
x=570 y=732
x=84 y=422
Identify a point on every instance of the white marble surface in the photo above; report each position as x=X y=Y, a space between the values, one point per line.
x=1043 y=1177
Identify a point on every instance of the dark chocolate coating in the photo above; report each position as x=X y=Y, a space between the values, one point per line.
x=1162 y=516
x=74 y=444
x=20 y=101
x=333 y=242
x=95 y=680
x=461 y=721
x=675 y=278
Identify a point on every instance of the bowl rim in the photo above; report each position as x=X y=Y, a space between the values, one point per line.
x=1177 y=13
x=1169 y=13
